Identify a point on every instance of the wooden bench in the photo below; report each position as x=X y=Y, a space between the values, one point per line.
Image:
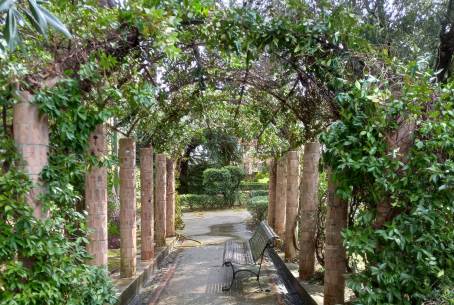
x=246 y=256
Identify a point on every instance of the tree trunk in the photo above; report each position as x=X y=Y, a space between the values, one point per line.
x=272 y=194
x=401 y=139
x=308 y=209
x=146 y=199
x=184 y=166
x=281 y=197
x=293 y=172
x=128 y=245
x=446 y=47
x=335 y=257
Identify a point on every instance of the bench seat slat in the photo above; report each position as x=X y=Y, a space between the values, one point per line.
x=237 y=252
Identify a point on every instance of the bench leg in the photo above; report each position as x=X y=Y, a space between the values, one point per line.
x=258 y=281
x=260 y=269
x=225 y=288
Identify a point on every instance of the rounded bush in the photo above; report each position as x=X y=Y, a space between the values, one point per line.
x=258 y=207
x=223 y=181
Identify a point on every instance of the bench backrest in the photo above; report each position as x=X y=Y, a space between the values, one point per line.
x=263 y=237
x=295 y=294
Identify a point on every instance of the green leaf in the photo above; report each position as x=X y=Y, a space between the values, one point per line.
x=33 y=21
x=10 y=31
x=41 y=21
x=443 y=187
x=56 y=23
x=358 y=85
x=5 y=5
x=419 y=144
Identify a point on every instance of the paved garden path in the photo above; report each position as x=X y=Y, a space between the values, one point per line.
x=194 y=274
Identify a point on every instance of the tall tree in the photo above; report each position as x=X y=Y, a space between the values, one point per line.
x=446 y=46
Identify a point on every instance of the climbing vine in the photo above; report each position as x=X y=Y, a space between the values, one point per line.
x=45 y=261
x=51 y=268
x=408 y=258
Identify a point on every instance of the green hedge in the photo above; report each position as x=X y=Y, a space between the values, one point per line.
x=196 y=201
x=244 y=198
x=258 y=207
x=225 y=181
x=179 y=223
x=216 y=180
x=259 y=193
x=253 y=186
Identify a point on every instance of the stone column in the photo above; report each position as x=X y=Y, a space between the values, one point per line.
x=272 y=194
x=96 y=200
x=170 y=199
x=293 y=172
x=308 y=210
x=335 y=257
x=146 y=199
x=247 y=164
x=128 y=244
x=160 y=207
x=31 y=135
x=281 y=197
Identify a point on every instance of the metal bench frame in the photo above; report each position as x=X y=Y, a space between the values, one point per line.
x=254 y=250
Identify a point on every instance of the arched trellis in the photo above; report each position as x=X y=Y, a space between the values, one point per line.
x=97 y=206
x=242 y=79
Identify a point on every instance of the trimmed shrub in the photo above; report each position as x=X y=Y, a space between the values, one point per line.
x=258 y=207
x=179 y=224
x=224 y=181
x=216 y=180
x=244 y=198
x=236 y=175
x=196 y=201
x=192 y=181
x=253 y=186
x=261 y=176
x=193 y=201
x=259 y=193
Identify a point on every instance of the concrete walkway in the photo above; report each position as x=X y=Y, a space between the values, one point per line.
x=195 y=276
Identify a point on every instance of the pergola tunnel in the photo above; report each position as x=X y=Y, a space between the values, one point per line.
x=173 y=152
x=291 y=212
